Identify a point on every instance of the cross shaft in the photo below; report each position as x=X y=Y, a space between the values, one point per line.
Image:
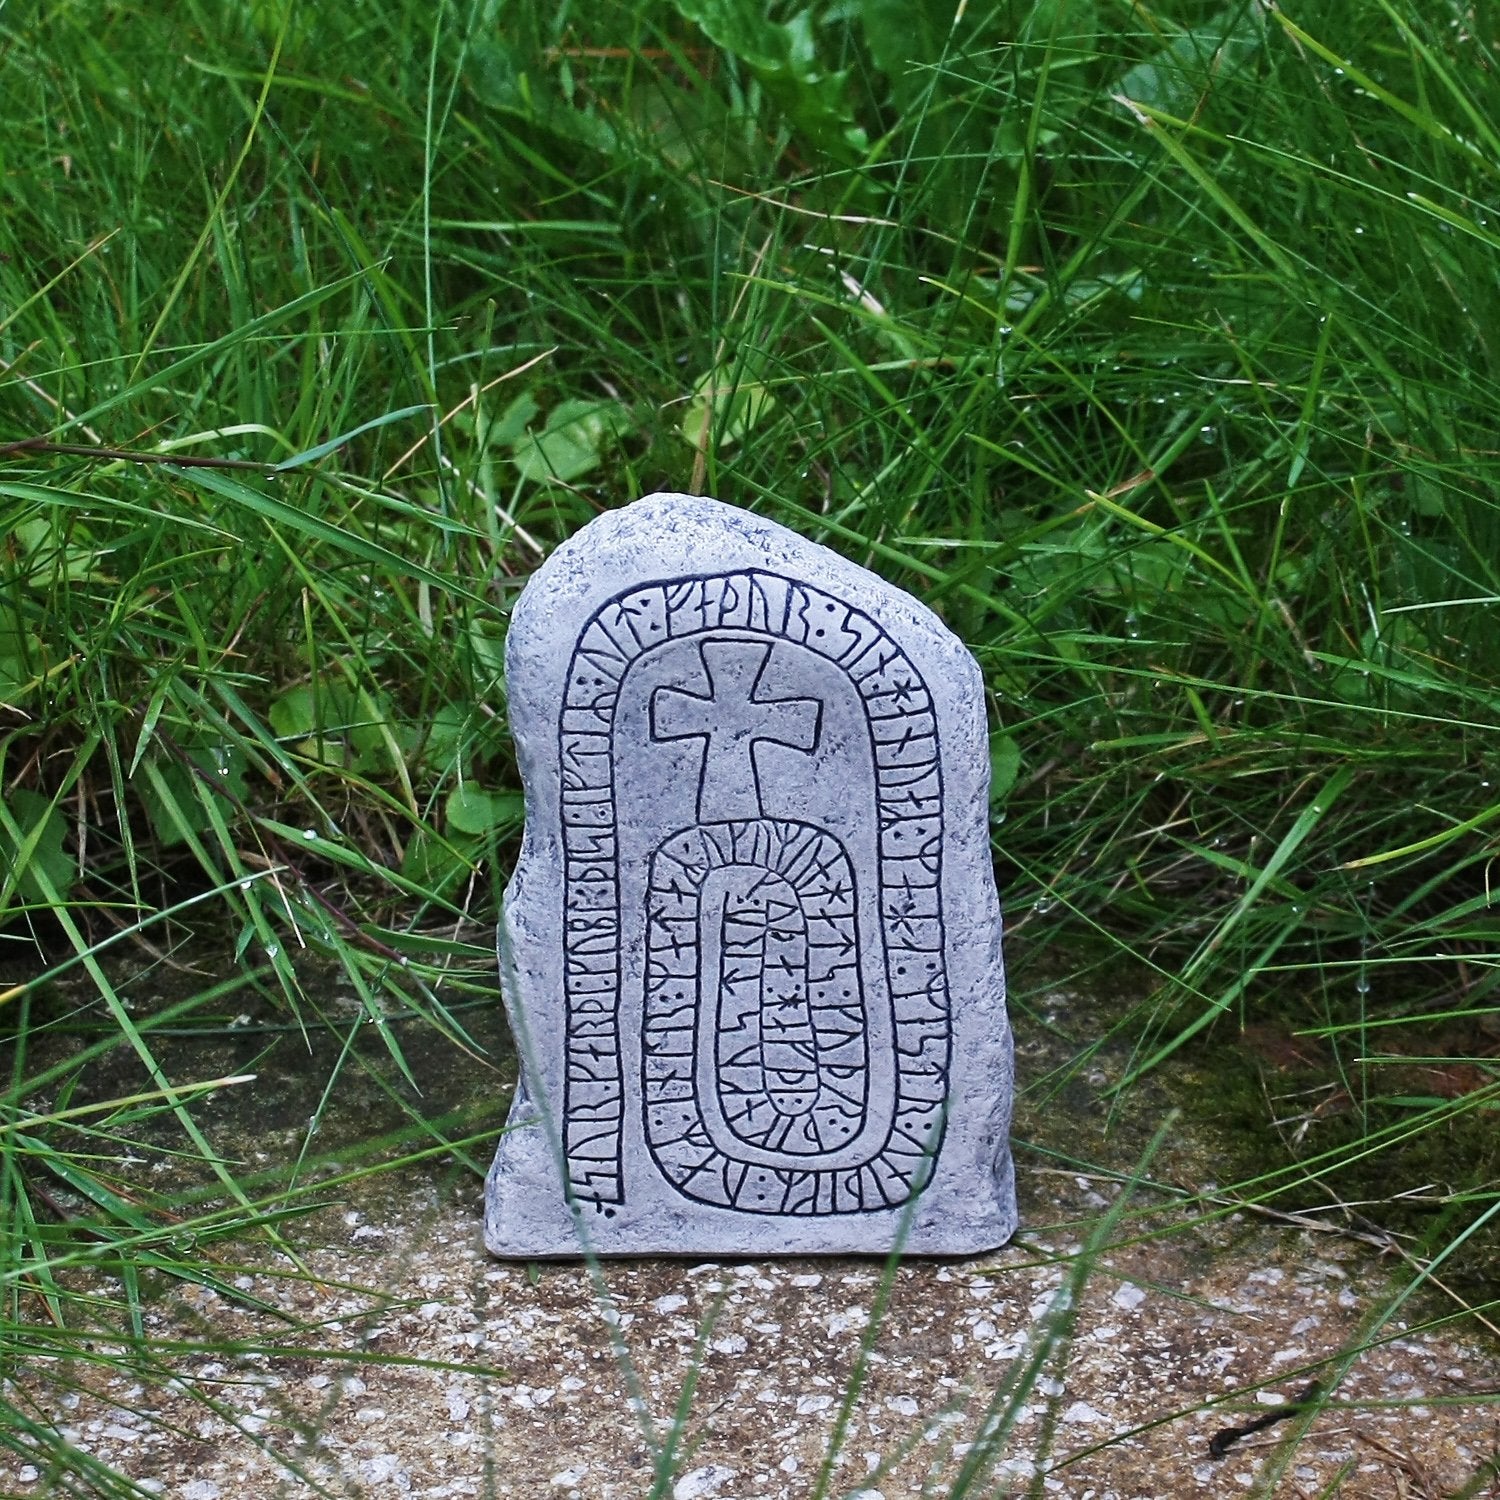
x=732 y=720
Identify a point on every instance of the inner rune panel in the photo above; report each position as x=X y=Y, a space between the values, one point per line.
x=752 y=823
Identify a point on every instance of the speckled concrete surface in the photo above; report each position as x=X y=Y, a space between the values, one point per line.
x=416 y=1365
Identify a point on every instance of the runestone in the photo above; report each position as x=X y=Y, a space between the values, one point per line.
x=750 y=952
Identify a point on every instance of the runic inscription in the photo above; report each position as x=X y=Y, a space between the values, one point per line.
x=795 y=1035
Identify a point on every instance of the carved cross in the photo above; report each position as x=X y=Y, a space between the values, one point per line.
x=731 y=721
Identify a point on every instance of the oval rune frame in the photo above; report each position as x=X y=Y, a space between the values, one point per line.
x=794 y=1058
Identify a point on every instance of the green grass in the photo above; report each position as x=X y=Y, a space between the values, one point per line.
x=1156 y=349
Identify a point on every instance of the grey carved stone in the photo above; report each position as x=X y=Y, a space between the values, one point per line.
x=751 y=949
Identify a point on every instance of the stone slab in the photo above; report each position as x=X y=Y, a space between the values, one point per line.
x=750 y=952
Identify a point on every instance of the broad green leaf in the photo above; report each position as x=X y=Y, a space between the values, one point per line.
x=512 y=423
x=470 y=809
x=1005 y=766
x=572 y=442
x=437 y=744
x=23 y=660
x=315 y=718
x=294 y=715
x=436 y=865
x=730 y=406
x=15 y=680
x=370 y=732
x=491 y=74
x=330 y=721
x=175 y=798
x=504 y=74
x=783 y=56
x=38 y=863
x=906 y=38
x=43 y=540
x=487 y=641
x=1175 y=78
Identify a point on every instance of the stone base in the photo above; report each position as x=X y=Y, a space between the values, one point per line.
x=969 y=1208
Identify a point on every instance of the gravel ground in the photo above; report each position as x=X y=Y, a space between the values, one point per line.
x=408 y=1362
x=521 y=1391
